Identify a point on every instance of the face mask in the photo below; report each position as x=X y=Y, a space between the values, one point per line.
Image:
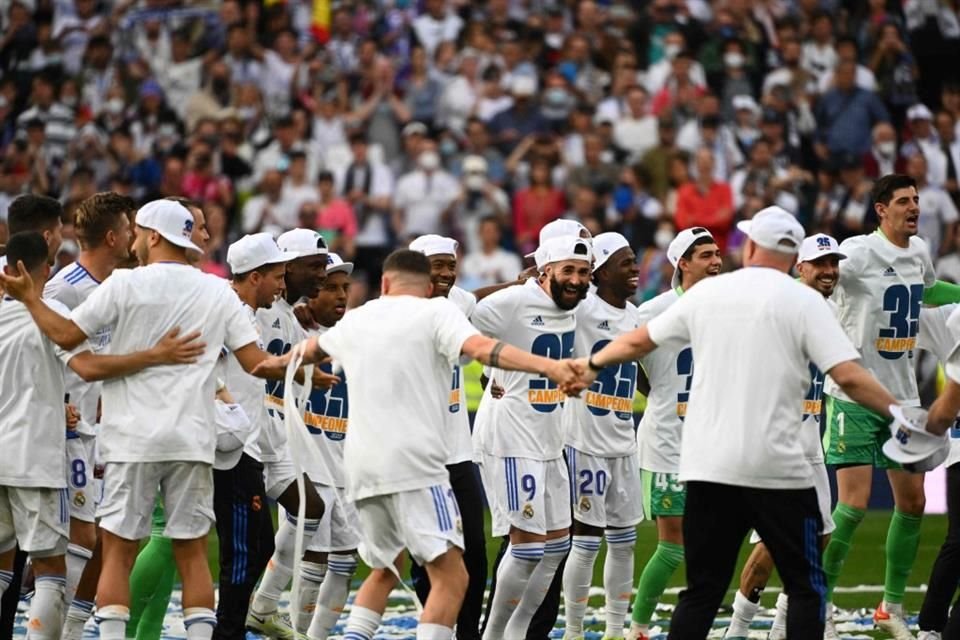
x=475 y=182
x=663 y=237
x=556 y=97
x=69 y=101
x=887 y=148
x=733 y=59
x=114 y=106
x=671 y=51
x=448 y=147
x=429 y=160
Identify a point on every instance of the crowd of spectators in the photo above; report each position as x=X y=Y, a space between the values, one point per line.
x=484 y=120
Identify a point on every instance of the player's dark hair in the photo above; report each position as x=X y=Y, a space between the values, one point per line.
x=31 y=212
x=885 y=187
x=98 y=214
x=29 y=247
x=262 y=270
x=407 y=261
x=704 y=239
x=186 y=202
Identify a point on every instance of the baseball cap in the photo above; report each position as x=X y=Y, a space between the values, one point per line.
x=565 y=248
x=170 y=219
x=744 y=102
x=910 y=442
x=558 y=229
x=605 y=245
x=233 y=430
x=414 y=128
x=431 y=245
x=679 y=245
x=303 y=242
x=919 y=112
x=817 y=246
x=474 y=164
x=775 y=229
x=254 y=251
x=335 y=263
x=523 y=85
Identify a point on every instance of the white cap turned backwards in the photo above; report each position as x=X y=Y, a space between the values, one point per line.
x=679 y=246
x=254 y=251
x=170 y=219
x=559 y=228
x=605 y=245
x=775 y=229
x=303 y=242
x=335 y=263
x=565 y=248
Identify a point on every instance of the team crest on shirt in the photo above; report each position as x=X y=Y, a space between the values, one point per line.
x=79 y=499
x=527 y=511
x=666 y=502
x=585 y=505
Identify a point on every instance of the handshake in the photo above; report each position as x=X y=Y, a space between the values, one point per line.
x=910 y=444
x=571 y=375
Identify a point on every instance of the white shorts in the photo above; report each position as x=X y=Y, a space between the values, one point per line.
x=84 y=490
x=425 y=522
x=130 y=492
x=35 y=518
x=278 y=475
x=605 y=492
x=340 y=526
x=821 y=482
x=530 y=495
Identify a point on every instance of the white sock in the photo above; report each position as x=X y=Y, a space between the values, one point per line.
x=744 y=612
x=517 y=566
x=199 y=622
x=6 y=577
x=312 y=574
x=77 y=558
x=112 y=620
x=362 y=624
x=427 y=631
x=577 y=576
x=779 y=628
x=618 y=578
x=46 y=608
x=554 y=551
x=77 y=616
x=280 y=568
x=333 y=595
x=895 y=609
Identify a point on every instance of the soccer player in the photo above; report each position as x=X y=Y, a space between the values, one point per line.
x=602 y=456
x=102 y=226
x=741 y=457
x=397 y=352
x=33 y=490
x=281 y=330
x=519 y=437
x=157 y=427
x=42 y=214
x=442 y=254
x=669 y=371
x=244 y=525
x=323 y=593
x=885 y=279
x=818 y=264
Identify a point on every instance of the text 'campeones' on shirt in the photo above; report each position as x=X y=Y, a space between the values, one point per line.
x=326 y=417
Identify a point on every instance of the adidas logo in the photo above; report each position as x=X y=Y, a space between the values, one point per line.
x=605 y=326
x=537 y=322
x=276 y=324
x=890 y=271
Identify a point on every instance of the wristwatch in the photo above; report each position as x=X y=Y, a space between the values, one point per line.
x=593 y=366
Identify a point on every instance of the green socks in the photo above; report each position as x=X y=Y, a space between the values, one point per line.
x=151 y=584
x=847 y=519
x=660 y=568
x=903 y=540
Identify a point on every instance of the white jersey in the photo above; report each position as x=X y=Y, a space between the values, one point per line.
x=669 y=370
x=527 y=421
x=163 y=414
x=279 y=330
x=879 y=295
x=326 y=417
x=247 y=390
x=397 y=352
x=70 y=286
x=940 y=335
x=600 y=421
x=458 y=421
x=32 y=421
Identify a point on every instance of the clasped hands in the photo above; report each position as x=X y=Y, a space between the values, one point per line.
x=571 y=375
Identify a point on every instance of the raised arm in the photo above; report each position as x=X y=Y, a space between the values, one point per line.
x=171 y=349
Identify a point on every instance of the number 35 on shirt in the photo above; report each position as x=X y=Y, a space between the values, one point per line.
x=543 y=394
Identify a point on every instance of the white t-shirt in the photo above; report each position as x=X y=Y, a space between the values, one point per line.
x=70 y=286
x=879 y=295
x=423 y=199
x=487 y=269
x=600 y=421
x=164 y=413
x=669 y=370
x=527 y=421
x=458 y=421
x=397 y=352
x=326 y=417
x=753 y=333
x=32 y=421
x=940 y=335
x=248 y=391
x=279 y=330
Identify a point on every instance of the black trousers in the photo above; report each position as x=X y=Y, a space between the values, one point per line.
x=716 y=520
x=945 y=575
x=465 y=481
x=246 y=542
x=11 y=597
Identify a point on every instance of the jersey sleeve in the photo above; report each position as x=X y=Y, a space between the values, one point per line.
x=58 y=289
x=240 y=330
x=451 y=329
x=102 y=306
x=672 y=328
x=62 y=354
x=824 y=342
x=492 y=312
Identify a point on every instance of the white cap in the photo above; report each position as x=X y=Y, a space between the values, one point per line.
x=679 y=246
x=432 y=245
x=565 y=248
x=414 y=128
x=335 y=263
x=919 y=112
x=233 y=430
x=523 y=85
x=303 y=242
x=909 y=441
x=254 y=251
x=559 y=228
x=775 y=229
x=746 y=103
x=170 y=219
x=817 y=246
x=474 y=164
x=605 y=245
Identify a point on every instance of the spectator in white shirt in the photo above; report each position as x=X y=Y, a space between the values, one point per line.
x=846 y=49
x=819 y=57
x=437 y=24
x=268 y=210
x=924 y=140
x=491 y=263
x=659 y=72
x=635 y=131
x=950 y=145
x=300 y=186
x=423 y=197
x=285 y=143
x=938 y=214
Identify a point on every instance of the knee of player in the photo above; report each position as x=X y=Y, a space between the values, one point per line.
x=913 y=505
x=314 y=507
x=455 y=578
x=83 y=534
x=55 y=565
